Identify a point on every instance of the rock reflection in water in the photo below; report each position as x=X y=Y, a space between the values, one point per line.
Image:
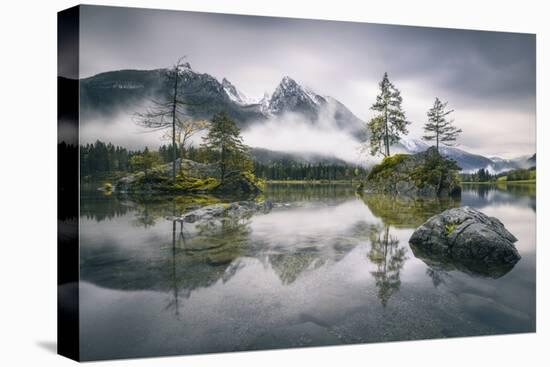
x=440 y=264
x=406 y=212
x=325 y=266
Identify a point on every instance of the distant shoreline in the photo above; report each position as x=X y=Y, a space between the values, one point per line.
x=347 y=182
x=499 y=182
x=315 y=182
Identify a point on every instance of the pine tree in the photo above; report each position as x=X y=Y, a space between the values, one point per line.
x=390 y=123
x=224 y=141
x=439 y=127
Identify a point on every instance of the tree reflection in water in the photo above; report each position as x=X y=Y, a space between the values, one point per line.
x=389 y=259
x=437 y=276
x=208 y=253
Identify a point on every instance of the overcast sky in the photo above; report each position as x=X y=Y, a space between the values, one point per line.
x=487 y=77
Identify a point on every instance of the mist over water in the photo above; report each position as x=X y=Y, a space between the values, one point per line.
x=123 y=130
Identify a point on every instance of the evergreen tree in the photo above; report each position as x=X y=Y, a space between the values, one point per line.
x=223 y=140
x=439 y=127
x=390 y=123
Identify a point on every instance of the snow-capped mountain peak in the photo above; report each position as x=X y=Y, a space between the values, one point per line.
x=264 y=103
x=414 y=145
x=289 y=96
x=185 y=68
x=233 y=93
x=468 y=161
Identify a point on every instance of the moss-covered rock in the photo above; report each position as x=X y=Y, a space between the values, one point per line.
x=467 y=240
x=193 y=177
x=158 y=181
x=241 y=183
x=423 y=174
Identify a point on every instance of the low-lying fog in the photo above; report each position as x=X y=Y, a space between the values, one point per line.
x=289 y=133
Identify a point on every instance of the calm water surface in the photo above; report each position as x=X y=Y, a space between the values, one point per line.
x=324 y=267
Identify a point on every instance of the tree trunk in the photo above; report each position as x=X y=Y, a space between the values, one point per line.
x=386 y=137
x=174 y=153
x=437 y=128
x=222 y=164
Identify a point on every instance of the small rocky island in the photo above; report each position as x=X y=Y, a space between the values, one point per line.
x=192 y=177
x=468 y=240
x=425 y=174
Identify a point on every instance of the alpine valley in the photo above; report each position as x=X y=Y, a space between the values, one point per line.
x=108 y=94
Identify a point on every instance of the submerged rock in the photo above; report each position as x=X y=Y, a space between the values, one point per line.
x=425 y=174
x=468 y=240
x=241 y=208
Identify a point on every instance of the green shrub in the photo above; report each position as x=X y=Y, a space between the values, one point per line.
x=387 y=165
x=433 y=169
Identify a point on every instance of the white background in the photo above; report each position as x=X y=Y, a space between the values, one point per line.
x=28 y=182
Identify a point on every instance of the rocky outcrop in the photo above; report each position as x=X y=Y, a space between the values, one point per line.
x=240 y=183
x=209 y=212
x=425 y=174
x=192 y=177
x=195 y=169
x=468 y=240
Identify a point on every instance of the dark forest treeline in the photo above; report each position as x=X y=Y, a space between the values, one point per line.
x=483 y=175
x=288 y=170
x=100 y=159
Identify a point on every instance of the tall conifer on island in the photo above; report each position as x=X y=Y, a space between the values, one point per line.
x=390 y=123
x=226 y=146
x=439 y=128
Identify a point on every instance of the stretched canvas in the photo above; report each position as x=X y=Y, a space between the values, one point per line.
x=235 y=183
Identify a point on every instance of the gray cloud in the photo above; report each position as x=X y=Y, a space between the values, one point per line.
x=488 y=77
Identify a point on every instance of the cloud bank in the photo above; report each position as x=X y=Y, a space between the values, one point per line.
x=290 y=133
x=487 y=77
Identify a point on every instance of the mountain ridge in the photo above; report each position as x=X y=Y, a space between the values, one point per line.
x=128 y=90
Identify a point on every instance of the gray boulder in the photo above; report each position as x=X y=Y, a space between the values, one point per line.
x=242 y=208
x=468 y=240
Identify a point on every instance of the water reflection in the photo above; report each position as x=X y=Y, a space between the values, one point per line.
x=482 y=195
x=389 y=259
x=323 y=267
x=406 y=212
x=437 y=276
x=299 y=192
x=442 y=263
x=147 y=208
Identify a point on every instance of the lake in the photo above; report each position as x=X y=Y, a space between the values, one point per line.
x=323 y=267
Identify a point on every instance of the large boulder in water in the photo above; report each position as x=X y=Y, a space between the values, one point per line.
x=468 y=239
x=425 y=174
